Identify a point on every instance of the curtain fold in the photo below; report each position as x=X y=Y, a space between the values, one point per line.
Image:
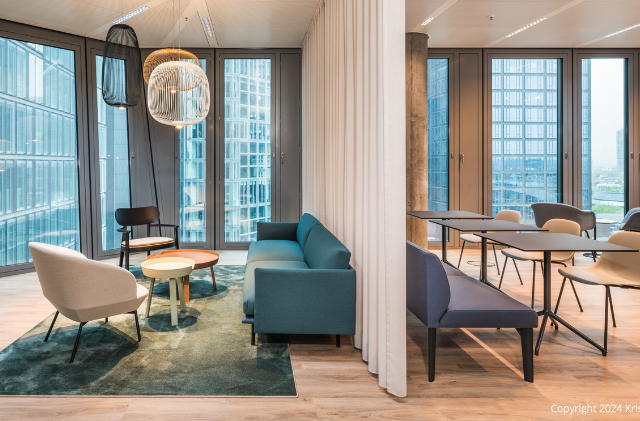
x=353 y=162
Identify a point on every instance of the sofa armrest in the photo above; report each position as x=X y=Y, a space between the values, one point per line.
x=305 y=301
x=277 y=231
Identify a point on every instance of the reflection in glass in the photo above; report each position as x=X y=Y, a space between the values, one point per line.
x=113 y=138
x=438 y=139
x=38 y=149
x=604 y=141
x=247 y=147
x=526 y=137
x=193 y=178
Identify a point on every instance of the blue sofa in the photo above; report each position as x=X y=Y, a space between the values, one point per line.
x=444 y=297
x=298 y=280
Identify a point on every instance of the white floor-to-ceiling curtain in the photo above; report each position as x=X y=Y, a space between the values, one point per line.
x=353 y=168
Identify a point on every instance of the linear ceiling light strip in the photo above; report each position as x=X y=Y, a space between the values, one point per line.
x=608 y=36
x=440 y=10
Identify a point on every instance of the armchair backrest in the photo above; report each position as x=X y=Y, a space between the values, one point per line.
x=623 y=264
x=72 y=282
x=428 y=292
x=128 y=217
x=543 y=212
x=631 y=222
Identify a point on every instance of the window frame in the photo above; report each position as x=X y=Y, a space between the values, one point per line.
x=565 y=130
x=76 y=44
x=632 y=198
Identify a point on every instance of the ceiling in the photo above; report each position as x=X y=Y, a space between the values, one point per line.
x=236 y=23
x=568 y=23
x=284 y=23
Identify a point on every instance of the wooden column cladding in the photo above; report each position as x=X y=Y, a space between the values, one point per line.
x=417 y=159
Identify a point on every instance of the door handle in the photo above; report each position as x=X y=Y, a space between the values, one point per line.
x=462 y=158
x=282 y=158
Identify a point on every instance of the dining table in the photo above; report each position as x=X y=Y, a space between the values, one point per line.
x=483 y=226
x=446 y=215
x=548 y=243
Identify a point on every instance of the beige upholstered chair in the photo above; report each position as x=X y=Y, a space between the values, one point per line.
x=83 y=289
x=553 y=226
x=503 y=215
x=620 y=269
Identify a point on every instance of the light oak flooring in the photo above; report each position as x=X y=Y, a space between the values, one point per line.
x=477 y=372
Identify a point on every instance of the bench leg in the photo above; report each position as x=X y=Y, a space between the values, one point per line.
x=526 y=338
x=432 y=352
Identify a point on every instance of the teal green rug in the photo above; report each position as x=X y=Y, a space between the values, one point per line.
x=208 y=353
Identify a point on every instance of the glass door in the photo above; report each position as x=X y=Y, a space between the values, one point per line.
x=605 y=138
x=247 y=133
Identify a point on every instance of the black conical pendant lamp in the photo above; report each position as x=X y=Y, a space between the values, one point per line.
x=121 y=67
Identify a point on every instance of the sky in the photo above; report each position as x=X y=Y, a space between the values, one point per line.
x=607 y=110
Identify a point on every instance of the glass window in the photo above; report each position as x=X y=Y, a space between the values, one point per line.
x=193 y=180
x=247 y=184
x=604 y=141
x=525 y=134
x=38 y=150
x=113 y=139
x=438 y=139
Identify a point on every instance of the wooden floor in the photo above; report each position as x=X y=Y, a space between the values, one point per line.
x=478 y=373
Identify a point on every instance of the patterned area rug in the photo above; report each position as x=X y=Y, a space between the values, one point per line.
x=208 y=353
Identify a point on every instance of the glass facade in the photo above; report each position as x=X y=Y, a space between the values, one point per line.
x=526 y=134
x=193 y=180
x=438 y=139
x=38 y=149
x=113 y=139
x=604 y=140
x=247 y=147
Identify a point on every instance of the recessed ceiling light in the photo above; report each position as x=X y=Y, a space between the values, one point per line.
x=526 y=27
x=130 y=15
x=624 y=30
x=426 y=22
x=207 y=27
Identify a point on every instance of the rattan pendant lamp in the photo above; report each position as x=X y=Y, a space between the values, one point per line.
x=178 y=90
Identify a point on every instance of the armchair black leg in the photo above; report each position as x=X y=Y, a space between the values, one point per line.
x=461 y=251
x=526 y=339
x=126 y=260
x=135 y=313
x=613 y=316
x=106 y=320
x=576 y=294
x=506 y=259
x=46 y=338
x=495 y=256
x=121 y=258
x=517 y=271
x=75 y=347
x=431 y=341
x=337 y=341
x=253 y=335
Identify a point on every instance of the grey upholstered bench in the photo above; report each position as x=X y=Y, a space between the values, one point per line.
x=450 y=299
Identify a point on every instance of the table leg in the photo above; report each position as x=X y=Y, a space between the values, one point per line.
x=183 y=306
x=483 y=263
x=153 y=282
x=444 y=246
x=174 y=304
x=546 y=311
x=186 y=288
x=213 y=277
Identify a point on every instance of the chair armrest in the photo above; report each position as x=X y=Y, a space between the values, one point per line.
x=277 y=231
x=124 y=231
x=164 y=225
x=306 y=301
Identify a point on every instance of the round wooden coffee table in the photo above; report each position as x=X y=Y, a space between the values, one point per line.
x=203 y=258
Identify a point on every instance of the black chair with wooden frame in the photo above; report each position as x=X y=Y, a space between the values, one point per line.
x=149 y=216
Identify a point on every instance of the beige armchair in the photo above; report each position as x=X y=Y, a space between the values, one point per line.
x=83 y=289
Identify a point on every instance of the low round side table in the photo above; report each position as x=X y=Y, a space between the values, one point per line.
x=202 y=258
x=174 y=269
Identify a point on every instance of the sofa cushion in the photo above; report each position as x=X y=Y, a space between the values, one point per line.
x=269 y=250
x=306 y=224
x=249 y=292
x=325 y=251
x=474 y=304
x=451 y=271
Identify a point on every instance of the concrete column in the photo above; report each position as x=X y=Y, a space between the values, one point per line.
x=417 y=158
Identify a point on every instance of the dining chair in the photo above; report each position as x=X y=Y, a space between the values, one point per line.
x=619 y=270
x=83 y=289
x=149 y=216
x=503 y=215
x=552 y=226
x=545 y=211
